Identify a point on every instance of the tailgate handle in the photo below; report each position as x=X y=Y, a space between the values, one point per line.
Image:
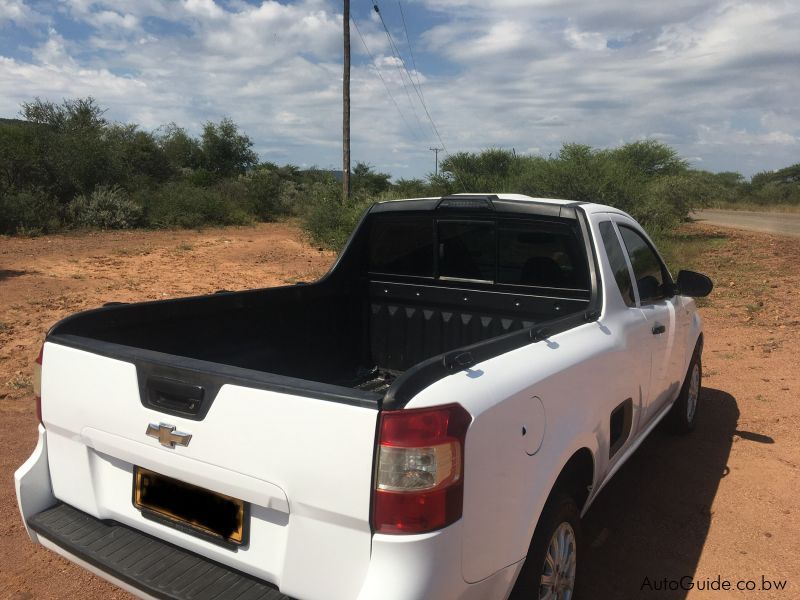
x=174 y=396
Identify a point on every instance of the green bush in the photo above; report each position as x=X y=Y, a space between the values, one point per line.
x=329 y=222
x=264 y=190
x=29 y=212
x=185 y=205
x=410 y=188
x=107 y=207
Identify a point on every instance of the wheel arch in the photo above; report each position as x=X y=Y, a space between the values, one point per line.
x=576 y=477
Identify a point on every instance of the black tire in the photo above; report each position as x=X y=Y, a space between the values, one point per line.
x=560 y=509
x=682 y=416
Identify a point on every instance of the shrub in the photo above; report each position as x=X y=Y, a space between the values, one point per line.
x=107 y=207
x=264 y=190
x=669 y=200
x=410 y=188
x=329 y=222
x=183 y=204
x=29 y=211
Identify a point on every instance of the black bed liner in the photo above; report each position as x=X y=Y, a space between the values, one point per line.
x=148 y=564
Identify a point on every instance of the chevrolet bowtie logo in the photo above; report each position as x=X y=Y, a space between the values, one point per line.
x=167 y=436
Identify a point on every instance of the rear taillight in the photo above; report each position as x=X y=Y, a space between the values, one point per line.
x=37 y=384
x=419 y=482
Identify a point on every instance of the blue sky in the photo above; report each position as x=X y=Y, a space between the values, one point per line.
x=718 y=80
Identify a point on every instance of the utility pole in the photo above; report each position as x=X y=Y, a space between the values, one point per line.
x=436 y=152
x=346 y=105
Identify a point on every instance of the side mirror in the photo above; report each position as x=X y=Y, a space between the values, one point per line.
x=694 y=284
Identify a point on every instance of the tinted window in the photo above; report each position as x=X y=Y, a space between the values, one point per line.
x=616 y=257
x=542 y=254
x=646 y=266
x=467 y=250
x=402 y=245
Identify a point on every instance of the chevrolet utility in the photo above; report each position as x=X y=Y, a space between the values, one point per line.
x=428 y=421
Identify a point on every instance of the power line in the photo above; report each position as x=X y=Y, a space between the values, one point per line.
x=380 y=75
x=408 y=41
x=398 y=55
x=401 y=65
x=416 y=89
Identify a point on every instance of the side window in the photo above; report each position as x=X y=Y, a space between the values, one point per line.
x=616 y=257
x=647 y=267
x=541 y=254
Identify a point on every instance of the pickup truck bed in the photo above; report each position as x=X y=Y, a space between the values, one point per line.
x=353 y=329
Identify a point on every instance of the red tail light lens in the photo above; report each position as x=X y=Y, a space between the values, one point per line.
x=37 y=383
x=419 y=483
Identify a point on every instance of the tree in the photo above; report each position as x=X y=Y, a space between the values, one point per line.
x=71 y=115
x=368 y=182
x=789 y=174
x=226 y=152
x=651 y=157
x=70 y=144
x=181 y=150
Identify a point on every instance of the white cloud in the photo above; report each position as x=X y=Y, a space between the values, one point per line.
x=584 y=40
x=110 y=18
x=717 y=79
x=16 y=11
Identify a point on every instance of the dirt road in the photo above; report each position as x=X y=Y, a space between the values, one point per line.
x=721 y=502
x=769 y=222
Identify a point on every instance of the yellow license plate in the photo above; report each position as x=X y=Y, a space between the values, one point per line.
x=186 y=506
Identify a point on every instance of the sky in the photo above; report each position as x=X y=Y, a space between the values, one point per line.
x=717 y=80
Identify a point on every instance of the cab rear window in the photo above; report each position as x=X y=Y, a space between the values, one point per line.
x=402 y=246
x=511 y=252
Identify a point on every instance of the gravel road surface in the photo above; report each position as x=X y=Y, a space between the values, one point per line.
x=770 y=222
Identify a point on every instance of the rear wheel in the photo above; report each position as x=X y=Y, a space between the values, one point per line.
x=551 y=568
x=683 y=414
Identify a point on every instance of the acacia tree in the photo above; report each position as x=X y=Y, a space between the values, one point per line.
x=226 y=152
x=369 y=182
x=70 y=145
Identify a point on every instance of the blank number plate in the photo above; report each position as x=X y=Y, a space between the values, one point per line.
x=189 y=507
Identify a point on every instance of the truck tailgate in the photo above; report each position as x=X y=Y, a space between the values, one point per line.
x=303 y=465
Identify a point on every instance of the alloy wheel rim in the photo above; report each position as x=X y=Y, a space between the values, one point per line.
x=694 y=391
x=560 y=562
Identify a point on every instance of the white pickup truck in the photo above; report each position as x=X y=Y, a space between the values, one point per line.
x=428 y=421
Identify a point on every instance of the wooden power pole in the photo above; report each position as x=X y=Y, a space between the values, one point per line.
x=346 y=105
x=436 y=152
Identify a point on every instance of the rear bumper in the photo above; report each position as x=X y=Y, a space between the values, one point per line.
x=419 y=567
x=144 y=564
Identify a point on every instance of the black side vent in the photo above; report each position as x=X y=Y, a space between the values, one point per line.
x=621 y=419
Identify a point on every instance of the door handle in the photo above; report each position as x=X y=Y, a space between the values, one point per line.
x=174 y=395
x=657 y=329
